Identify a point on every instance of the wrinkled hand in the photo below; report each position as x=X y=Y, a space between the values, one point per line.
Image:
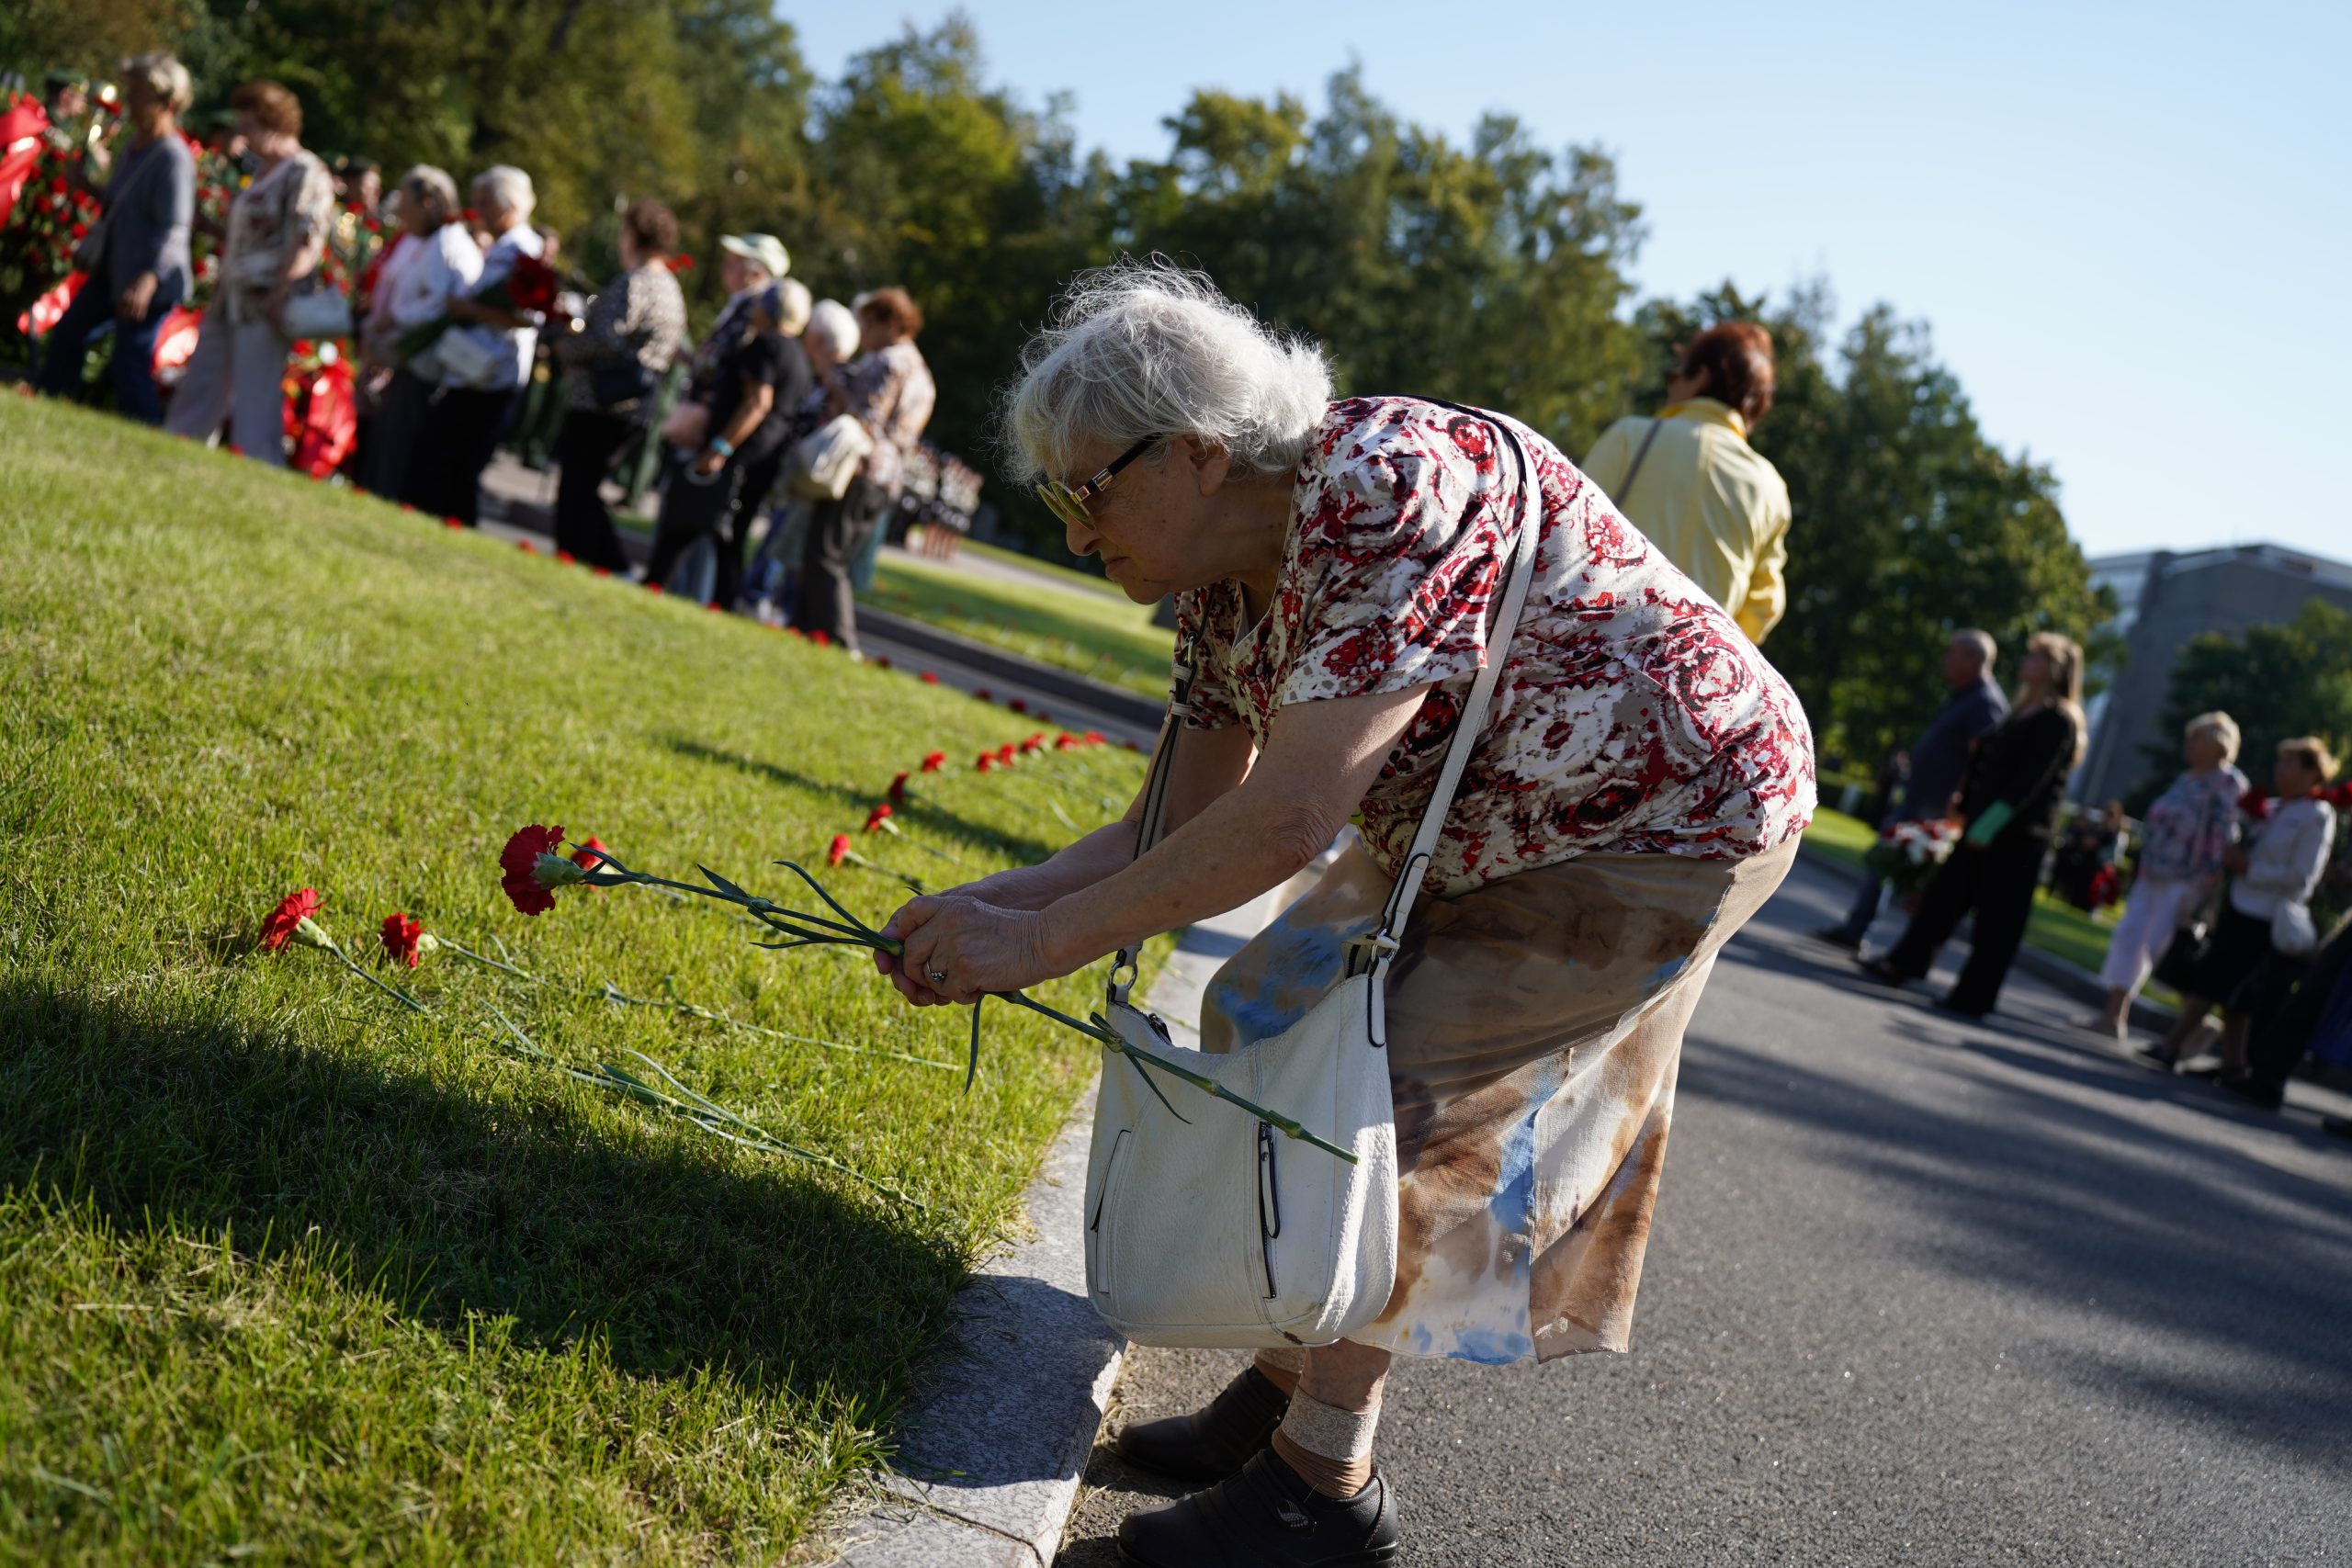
x=979 y=947
x=708 y=464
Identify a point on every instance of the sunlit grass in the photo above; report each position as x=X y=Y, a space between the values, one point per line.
x=288 y=1270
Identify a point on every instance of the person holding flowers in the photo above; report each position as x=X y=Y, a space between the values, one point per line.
x=278 y=227
x=138 y=259
x=1634 y=794
x=486 y=342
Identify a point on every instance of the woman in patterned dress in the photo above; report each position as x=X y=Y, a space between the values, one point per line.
x=1635 y=793
x=2189 y=828
x=277 y=230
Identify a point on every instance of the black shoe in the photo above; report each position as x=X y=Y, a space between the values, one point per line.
x=1266 y=1516
x=1974 y=1015
x=2148 y=1056
x=1839 y=936
x=2341 y=1126
x=1879 y=969
x=1211 y=1444
x=2261 y=1096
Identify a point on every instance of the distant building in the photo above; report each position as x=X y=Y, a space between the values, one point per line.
x=2164 y=600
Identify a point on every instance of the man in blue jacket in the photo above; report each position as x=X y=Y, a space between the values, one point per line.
x=1938 y=759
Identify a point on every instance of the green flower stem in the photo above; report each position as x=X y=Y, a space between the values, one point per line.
x=1288 y=1126
x=702 y=1111
x=856 y=932
x=695 y=1009
x=486 y=961
x=384 y=985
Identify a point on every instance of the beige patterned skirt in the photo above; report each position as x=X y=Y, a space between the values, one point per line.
x=1534 y=1031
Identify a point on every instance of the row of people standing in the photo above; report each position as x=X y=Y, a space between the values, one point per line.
x=774 y=368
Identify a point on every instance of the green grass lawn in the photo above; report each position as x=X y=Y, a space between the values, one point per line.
x=2054 y=927
x=291 y=1272
x=1101 y=635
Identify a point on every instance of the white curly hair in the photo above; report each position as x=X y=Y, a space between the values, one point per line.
x=1145 y=348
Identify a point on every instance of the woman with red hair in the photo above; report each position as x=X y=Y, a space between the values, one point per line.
x=1689 y=481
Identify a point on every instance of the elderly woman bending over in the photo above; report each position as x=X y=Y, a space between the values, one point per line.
x=1633 y=795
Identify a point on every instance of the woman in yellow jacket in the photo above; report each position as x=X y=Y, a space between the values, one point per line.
x=1690 y=481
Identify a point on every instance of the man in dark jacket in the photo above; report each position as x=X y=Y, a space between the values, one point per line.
x=1939 y=758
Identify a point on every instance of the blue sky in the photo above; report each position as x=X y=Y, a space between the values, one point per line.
x=2130 y=226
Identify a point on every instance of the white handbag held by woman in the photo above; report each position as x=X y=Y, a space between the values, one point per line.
x=1213 y=1228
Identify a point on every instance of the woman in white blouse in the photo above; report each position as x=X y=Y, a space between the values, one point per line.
x=485 y=360
x=435 y=260
x=2276 y=871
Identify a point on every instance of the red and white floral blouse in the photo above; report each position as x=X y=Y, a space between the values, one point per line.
x=1633 y=716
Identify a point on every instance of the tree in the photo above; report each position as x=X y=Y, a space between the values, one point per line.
x=1490 y=274
x=2277 y=682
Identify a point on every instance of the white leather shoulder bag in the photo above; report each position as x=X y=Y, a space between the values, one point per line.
x=1213 y=1228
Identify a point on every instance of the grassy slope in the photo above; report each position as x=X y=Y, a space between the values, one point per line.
x=286 y=1268
x=1097 y=634
x=2055 y=927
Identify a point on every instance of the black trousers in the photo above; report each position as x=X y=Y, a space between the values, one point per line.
x=462 y=425
x=584 y=451
x=1997 y=883
x=838 y=532
x=392 y=443
x=2290 y=996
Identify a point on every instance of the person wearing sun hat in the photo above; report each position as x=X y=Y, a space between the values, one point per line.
x=763 y=250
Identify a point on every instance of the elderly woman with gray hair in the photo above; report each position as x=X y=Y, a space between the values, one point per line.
x=483 y=359
x=2186 y=834
x=1632 y=795
x=142 y=267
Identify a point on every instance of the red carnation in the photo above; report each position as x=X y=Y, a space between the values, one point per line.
x=986 y=761
x=1093 y=738
x=1066 y=742
x=1036 y=742
x=934 y=760
x=982 y=693
x=820 y=639
x=566 y=556
x=1130 y=745
x=525 y=546
x=882 y=661
x=1004 y=754
x=586 y=856
x=519 y=859
x=839 y=849
x=711 y=605
x=876 y=818
x=399 y=936
x=1042 y=716
x=930 y=678
x=897 y=791
x=291 y=911
x=601 y=570
x=1018 y=705
x=450 y=522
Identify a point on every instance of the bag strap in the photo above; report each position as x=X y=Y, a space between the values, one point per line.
x=1625 y=485
x=1376 y=947
x=1521 y=573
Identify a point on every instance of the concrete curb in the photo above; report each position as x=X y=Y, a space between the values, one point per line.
x=2072 y=978
x=990 y=1464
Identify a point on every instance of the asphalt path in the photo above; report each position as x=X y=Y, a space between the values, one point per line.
x=1918 y=1292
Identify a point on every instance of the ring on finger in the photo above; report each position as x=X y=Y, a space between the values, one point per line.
x=938 y=976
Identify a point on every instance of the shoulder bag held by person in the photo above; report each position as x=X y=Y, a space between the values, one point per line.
x=826 y=460
x=1214 y=1228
